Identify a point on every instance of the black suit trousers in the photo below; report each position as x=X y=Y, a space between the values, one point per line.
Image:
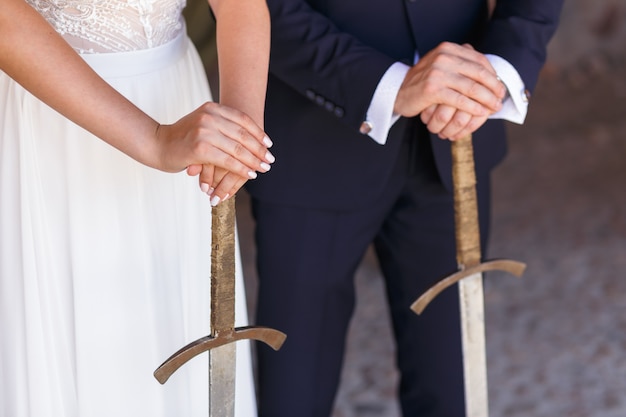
x=306 y=262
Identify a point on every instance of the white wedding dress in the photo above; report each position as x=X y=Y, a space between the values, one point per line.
x=105 y=263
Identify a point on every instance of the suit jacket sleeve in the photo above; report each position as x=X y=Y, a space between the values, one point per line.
x=519 y=31
x=310 y=54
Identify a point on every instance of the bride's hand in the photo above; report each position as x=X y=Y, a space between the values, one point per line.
x=217 y=135
x=218 y=183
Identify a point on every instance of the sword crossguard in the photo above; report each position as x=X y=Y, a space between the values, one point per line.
x=514 y=267
x=269 y=336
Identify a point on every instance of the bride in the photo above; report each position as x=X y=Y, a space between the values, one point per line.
x=104 y=242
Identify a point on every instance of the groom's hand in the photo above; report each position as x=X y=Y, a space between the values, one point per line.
x=457 y=84
x=450 y=123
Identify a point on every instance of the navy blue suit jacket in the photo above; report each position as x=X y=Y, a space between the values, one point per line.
x=327 y=57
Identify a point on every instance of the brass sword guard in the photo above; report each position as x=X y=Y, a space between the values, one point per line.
x=271 y=337
x=513 y=267
x=466 y=227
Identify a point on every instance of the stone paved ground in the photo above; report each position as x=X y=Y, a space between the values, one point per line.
x=557 y=337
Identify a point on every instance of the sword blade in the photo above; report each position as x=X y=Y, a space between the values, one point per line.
x=473 y=343
x=222 y=363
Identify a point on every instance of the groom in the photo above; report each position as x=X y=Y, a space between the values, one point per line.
x=360 y=96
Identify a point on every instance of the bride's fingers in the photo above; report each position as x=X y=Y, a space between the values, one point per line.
x=207 y=178
x=245 y=121
x=212 y=155
x=193 y=170
x=226 y=188
x=243 y=130
x=230 y=140
x=244 y=146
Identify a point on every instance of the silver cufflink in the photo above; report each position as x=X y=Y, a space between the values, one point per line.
x=366 y=127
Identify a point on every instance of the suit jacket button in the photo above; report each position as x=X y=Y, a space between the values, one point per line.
x=310 y=94
x=330 y=106
x=338 y=111
x=366 y=127
x=320 y=100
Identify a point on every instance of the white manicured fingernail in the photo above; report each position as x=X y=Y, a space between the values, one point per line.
x=270 y=157
x=265 y=167
x=268 y=142
x=204 y=187
x=210 y=192
x=252 y=175
x=215 y=201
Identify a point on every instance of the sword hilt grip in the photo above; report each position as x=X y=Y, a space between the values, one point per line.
x=465 y=202
x=223 y=266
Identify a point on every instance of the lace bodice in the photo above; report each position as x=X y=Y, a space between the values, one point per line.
x=93 y=26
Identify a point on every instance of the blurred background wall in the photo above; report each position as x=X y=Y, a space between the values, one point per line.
x=589 y=28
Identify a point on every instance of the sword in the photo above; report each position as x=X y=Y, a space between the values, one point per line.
x=469 y=278
x=219 y=343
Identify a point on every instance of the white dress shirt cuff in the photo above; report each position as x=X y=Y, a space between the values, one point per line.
x=515 y=106
x=380 y=116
